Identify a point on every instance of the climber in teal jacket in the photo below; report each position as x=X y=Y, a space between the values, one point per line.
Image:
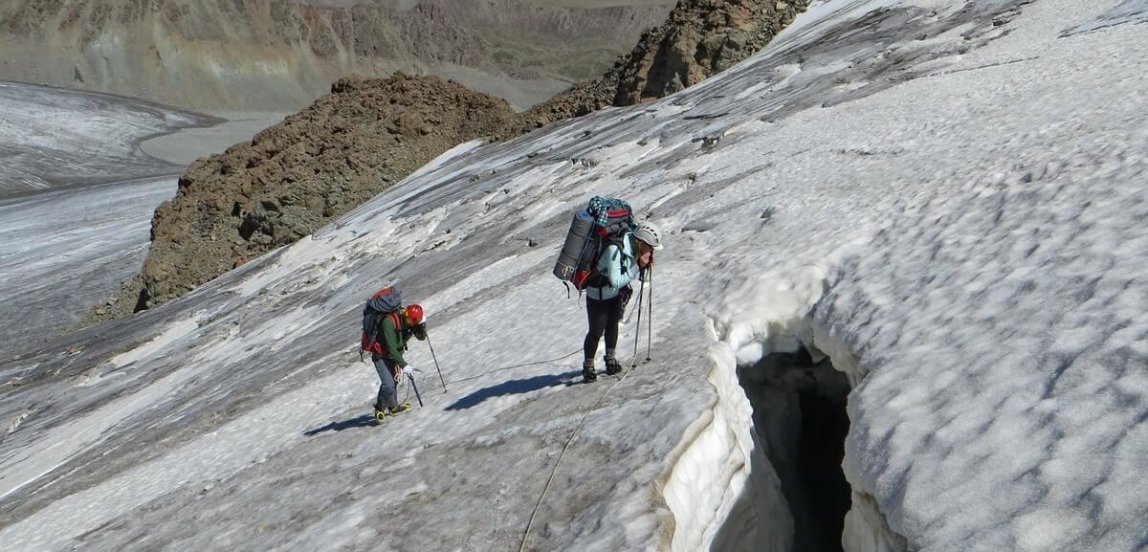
x=606 y=298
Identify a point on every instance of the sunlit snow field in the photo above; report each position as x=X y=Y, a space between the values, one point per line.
x=946 y=199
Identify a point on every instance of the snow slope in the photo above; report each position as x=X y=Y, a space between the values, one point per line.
x=945 y=198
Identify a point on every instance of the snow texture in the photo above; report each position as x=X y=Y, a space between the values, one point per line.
x=76 y=198
x=63 y=250
x=52 y=137
x=945 y=198
x=1129 y=11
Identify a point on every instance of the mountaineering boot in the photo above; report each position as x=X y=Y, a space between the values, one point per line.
x=399 y=408
x=612 y=366
x=380 y=414
x=588 y=374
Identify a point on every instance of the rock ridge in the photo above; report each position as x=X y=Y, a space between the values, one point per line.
x=369 y=133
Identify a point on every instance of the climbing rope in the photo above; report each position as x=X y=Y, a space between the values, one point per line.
x=505 y=368
x=565 y=447
x=489 y=372
x=406 y=389
x=561 y=455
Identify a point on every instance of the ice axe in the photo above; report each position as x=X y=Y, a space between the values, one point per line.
x=411 y=376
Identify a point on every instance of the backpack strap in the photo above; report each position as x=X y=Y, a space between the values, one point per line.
x=394 y=318
x=378 y=330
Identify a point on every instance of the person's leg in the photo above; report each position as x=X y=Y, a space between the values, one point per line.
x=596 y=316
x=613 y=319
x=386 y=398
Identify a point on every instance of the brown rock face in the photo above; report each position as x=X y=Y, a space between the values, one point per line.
x=368 y=133
x=296 y=176
x=700 y=38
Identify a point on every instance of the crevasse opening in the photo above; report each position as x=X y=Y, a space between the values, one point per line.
x=720 y=474
x=800 y=419
x=763 y=470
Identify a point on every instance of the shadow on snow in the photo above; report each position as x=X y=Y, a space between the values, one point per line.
x=513 y=387
x=366 y=420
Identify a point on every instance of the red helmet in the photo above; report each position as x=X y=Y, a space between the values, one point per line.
x=414 y=313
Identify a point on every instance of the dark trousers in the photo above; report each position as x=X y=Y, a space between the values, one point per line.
x=603 y=317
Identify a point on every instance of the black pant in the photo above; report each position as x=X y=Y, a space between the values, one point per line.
x=603 y=317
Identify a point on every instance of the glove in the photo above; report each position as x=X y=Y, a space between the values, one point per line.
x=408 y=370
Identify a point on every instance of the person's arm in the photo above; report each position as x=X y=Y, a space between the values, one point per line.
x=419 y=331
x=392 y=341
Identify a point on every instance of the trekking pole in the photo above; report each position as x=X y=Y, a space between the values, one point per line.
x=650 y=318
x=416 y=388
x=638 y=330
x=436 y=363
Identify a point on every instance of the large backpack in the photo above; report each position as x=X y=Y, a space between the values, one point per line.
x=604 y=221
x=384 y=303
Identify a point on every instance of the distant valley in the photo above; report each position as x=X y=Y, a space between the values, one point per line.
x=279 y=55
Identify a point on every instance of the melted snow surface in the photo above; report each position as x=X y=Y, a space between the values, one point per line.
x=947 y=199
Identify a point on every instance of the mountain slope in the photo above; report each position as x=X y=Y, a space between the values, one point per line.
x=942 y=202
x=280 y=54
x=294 y=177
x=698 y=39
x=235 y=211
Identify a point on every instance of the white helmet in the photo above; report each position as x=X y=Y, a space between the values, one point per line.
x=650 y=234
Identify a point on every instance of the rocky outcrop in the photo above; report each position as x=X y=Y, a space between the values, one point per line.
x=700 y=38
x=295 y=177
x=368 y=133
